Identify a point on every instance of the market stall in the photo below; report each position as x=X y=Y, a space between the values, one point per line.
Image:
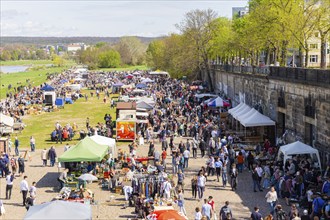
x=59 y=210
x=106 y=141
x=298 y=148
x=6 y=124
x=85 y=150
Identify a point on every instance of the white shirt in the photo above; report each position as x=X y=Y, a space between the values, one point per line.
x=271 y=196
x=167 y=187
x=198 y=216
x=24 y=185
x=186 y=154
x=9 y=182
x=33 y=191
x=201 y=181
x=259 y=171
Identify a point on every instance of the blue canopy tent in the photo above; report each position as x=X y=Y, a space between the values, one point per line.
x=47 y=88
x=141 y=86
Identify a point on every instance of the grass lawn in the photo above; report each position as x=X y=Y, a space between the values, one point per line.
x=36 y=77
x=40 y=126
x=25 y=62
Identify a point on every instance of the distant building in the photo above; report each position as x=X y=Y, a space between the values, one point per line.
x=238 y=12
x=76 y=46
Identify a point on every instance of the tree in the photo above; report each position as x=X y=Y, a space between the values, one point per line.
x=109 y=59
x=198 y=28
x=132 y=50
x=155 y=54
x=57 y=60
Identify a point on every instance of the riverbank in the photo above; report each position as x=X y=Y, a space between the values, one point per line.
x=25 y=62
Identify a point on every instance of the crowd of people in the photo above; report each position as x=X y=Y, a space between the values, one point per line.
x=178 y=116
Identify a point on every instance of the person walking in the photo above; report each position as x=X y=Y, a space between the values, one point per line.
x=194 y=187
x=21 y=165
x=186 y=155
x=271 y=197
x=13 y=164
x=24 y=187
x=194 y=148
x=16 y=143
x=225 y=212
x=201 y=180
x=181 y=202
x=33 y=192
x=256 y=183
x=9 y=184
x=218 y=167
x=44 y=157
x=52 y=156
x=32 y=143
x=206 y=210
x=233 y=175
x=63 y=177
x=224 y=173
x=255 y=215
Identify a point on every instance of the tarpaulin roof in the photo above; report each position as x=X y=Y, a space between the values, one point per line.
x=85 y=150
x=6 y=120
x=59 y=209
x=47 y=88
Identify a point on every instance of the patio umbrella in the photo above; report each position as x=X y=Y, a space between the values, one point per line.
x=88 y=177
x=129 y=76
x=141 y=86
x=168 y=215
x=218 y=102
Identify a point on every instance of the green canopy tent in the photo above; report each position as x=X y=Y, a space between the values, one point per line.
x=85 y=150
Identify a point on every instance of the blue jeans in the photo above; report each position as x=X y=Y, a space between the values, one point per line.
x=16 y=151
x=272 y=206
x=52 y=162
x=186 y=162
x=32 y=147
x=256 y=184
x=200 y=191
x=240 y=167
x=224 y=178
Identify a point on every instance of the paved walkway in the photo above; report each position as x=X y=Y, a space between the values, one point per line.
x=242 y=201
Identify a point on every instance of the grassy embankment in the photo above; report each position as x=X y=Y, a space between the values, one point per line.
x=36 y=74
x=40 y=126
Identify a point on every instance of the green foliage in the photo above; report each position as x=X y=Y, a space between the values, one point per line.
x=58 y=60
x=132 y=50
x=109 y=59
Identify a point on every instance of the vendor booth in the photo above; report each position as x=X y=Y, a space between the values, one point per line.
x=299 y=148
x=218 y=102
x=47 y=88
x=59 y=210
x=144 y=105
x=86 y=150
x=6 y=124
x=123 y=106
x=49 y=97
x=126 y=129
x=106 y=141
x=74 y=87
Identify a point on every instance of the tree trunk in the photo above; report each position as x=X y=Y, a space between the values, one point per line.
x=208 y=73
x=306 y=55
x=284 y=53
x=323 y=51
x=300 y=57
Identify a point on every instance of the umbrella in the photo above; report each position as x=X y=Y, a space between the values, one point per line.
x=218 y=102
x=168 y=215
x=59 y=210
x=141 y=86
x=87 y=177
x=129 y=76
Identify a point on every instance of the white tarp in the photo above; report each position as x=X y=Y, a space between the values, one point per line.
x=74 y=87
x=147 y=100
x=241 y=111
x=205 y=95
x=142 y=114
x=144 y=105
x=106 y=141
x=59 y=209
x=236 y=108
x=256 y=119
x=247 y=114
x=296 y=148
x=6 y=120
x=159 y=73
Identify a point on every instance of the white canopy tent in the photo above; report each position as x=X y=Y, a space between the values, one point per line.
x=106 y=141
x=142 y=114
x=59 y=209
x=236 y=107
x=205 y=95
x=144 y=105
x=241 y=111
x=147 y=100
x=247 y=114
x=256 y=119
x=298 y=148
x=74 y=87
x=6 y=124
x=159 y=73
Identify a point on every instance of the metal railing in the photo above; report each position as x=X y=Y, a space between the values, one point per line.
x=242 y=69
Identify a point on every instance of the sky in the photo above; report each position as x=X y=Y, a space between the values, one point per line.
x=61 y=18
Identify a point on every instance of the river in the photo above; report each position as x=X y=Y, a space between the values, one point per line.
x=13 y=69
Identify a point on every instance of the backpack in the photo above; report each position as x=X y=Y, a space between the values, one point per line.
x=281 y=215
x=20 y=161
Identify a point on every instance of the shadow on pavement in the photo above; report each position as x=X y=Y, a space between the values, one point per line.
x=48 y=180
